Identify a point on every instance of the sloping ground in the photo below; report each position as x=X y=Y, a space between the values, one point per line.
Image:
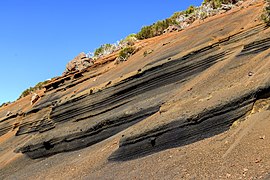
x=196 y=107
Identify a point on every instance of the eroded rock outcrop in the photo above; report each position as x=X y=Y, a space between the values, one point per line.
x=78 y=63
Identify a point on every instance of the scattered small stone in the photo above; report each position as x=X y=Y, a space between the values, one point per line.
x=228 y=175
x=166 y=43
x=108 y=83
x=172 y=28
x=245 y=169
x=145 y=53
x=262 y=137
x=250 y=73
x=258 y=160
x=8 y=113
x=222 y=11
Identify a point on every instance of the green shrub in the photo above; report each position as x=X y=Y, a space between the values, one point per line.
x=214 y=3
x=155 y=29
x=190 y=10
x=4 y=104
x=176 y=15
x=146 y=32
x=103 y=50
x=126 y=52
x=145 y=53
x=128 y=41
x=158 y=28
x=266 y=15
x=28 y=91
x=217 y=3
x=131 y=36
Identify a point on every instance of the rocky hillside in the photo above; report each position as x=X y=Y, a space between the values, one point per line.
x=193 y=104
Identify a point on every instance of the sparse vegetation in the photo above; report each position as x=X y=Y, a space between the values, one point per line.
x=128 y=41
x=4 y=104
x=155 y=29
x=104 y=50
x=182 y=19
x=190 y=10
x=145 y=53
x=28 y=91
x=126 y=52
x=217 y=3
x=266 y=13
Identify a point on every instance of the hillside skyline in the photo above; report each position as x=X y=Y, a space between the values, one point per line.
x=40 y=37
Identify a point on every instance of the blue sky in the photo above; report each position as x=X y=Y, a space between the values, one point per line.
x=39 y=37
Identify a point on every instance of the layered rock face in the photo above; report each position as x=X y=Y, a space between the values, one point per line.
x=194 y=85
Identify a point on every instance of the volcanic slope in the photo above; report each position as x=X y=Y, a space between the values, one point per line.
x=197 y=106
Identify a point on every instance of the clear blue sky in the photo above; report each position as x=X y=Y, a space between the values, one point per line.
x=39 y=37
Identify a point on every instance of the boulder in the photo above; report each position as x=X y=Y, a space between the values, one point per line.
x=78 y=63
x=34 y=98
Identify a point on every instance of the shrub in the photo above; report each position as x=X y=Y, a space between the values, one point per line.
x=266 y=14
x=4 y=104
x=190 y=10
x=38 y=86
x=126 y=52
x=128 y=41
x=146 y=32
x=214 y=3
x=158 y=28
x=104 y=50
x=155 y=29
x=26 y=92
x=176 y=15
x=145 y=53
x=217 y=3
